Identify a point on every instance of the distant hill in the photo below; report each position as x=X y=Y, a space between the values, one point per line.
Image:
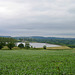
x=5 y=36
x=37 y=37
x=41 y=37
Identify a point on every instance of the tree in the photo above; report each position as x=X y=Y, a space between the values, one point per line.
x=31 y=46
x=21 y=45
x=44 y=46
x=27 y=45
x=3 y=43
x=10 y=45
x=1 y=46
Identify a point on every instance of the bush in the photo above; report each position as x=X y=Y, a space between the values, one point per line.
x=1 y=46
x=27 y=45
x=31 y=46
x=21 y=45
x=10 y=45
x=44 y=46
x=71 y=46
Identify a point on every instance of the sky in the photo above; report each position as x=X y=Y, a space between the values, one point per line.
x=49 y=18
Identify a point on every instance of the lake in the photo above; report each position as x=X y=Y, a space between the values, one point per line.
x=39 y=45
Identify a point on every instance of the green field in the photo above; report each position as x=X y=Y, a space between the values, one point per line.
x=37 y=62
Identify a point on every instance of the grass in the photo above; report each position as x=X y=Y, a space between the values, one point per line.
x=61 y=47
x=37 y=62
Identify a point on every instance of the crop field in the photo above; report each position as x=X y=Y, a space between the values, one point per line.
x=37 y=62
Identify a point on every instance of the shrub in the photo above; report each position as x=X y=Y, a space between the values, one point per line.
x=71 y=46
x=44 y=46
x=31 y=46
x=1 y=46
x=27 y=45
x=21 y=45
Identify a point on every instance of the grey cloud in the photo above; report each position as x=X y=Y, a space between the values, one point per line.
x=37 y=17
x=72 y=10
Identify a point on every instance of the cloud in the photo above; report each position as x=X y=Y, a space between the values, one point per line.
x=37 y=17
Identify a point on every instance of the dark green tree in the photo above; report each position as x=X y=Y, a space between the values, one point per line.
x=31 y=46
x=1 y=46
x=21 y=45
x=3 y=43
x=10 y=45
x=27 y=45
x=44 y=46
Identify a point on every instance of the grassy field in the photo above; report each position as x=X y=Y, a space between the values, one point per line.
x=59 y=48
x=37 y=62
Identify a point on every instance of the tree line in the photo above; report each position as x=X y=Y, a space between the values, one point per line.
x=4 y=40
x=58 y=41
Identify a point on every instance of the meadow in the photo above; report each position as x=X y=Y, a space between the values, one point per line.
x=37 y=62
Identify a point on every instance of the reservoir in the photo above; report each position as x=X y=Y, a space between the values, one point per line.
x=39 y=45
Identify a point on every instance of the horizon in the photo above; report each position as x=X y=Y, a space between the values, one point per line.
x=37 y=36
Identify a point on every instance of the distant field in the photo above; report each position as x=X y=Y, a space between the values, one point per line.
x=37 y=62
x=61 y=47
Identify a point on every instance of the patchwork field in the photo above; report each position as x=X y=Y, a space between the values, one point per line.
x=37 y=62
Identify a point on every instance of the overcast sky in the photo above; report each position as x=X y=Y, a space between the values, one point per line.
x=54 y=18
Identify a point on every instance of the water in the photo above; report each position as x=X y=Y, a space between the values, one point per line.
x=39 y=45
